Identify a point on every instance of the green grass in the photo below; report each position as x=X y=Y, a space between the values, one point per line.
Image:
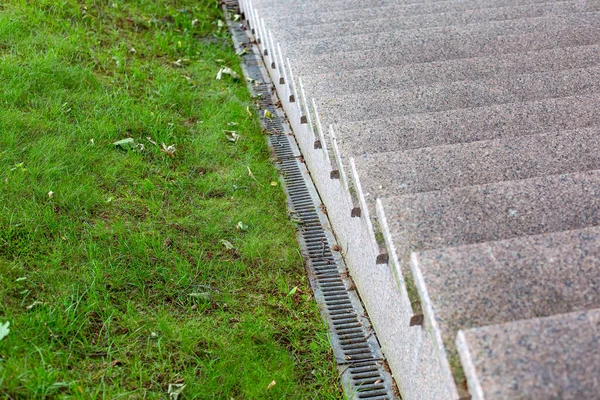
x=118 y=284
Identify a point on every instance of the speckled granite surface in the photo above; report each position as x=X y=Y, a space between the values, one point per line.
x=466 y=164
x=307 y=9
x=467 y=125
x=447 y=43
x=446 y=48
x=495 y=211
x=497 y=282
x=374 y=104
x=411 y=75
x=546 y=358
x=475 y=124
x=395 y=20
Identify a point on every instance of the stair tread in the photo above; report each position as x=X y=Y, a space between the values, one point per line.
x=411 y=75
x=497 y=282
x=444 y=42
x=459 y=95
x=286 y=30
x=446 y=48
x=477 y=163
x=308 y=9
x=491 y=212
x=542 y=358
x=466 y=125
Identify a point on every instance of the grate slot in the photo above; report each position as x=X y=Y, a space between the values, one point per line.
x=372 y=394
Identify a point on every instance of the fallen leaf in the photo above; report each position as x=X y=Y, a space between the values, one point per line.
x=194 y=22
x=241 y=226
x=4 y=331
x=132 y=50
x=232 y=136
x=293 y=291
x=227 y=71
x=170 y=150
x=200 y=295
x=35 y=303
x=273 y=183
x=248 y=111
x=175 y=390
x=273 y=383
x=182 y=62
x=50 y=194
x=220 y=23
x=126 y=144
x=228 y=245
x=268 y=114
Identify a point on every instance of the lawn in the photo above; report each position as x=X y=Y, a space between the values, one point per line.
x=126 y=271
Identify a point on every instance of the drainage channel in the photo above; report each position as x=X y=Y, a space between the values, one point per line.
x=363 y=371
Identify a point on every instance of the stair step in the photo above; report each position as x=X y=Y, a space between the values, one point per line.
x=477 y=163
x=497 y=211
x=305 y=10
x=445 y=42
x=467 y=125
x=286 y=30
x=498 y=282
x=556 y=357
x=412 y=75
x=457 y=95
x=446 y=47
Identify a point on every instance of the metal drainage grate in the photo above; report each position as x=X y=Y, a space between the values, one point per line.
x=361 y=364
x=356 y=354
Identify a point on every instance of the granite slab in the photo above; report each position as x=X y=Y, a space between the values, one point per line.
x=496 y=211
x=286 y=30
x=407 y=76
x=381 y=103
x=556 y=357
x=442 y=42
x=476 y=163
x=467 y=125
x=446 y=48
x=410 y=7
x=498 y=282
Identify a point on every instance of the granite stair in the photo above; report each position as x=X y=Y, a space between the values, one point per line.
x=502 y=282
x=455 y=148
x=540 y=358
x=395 y=20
